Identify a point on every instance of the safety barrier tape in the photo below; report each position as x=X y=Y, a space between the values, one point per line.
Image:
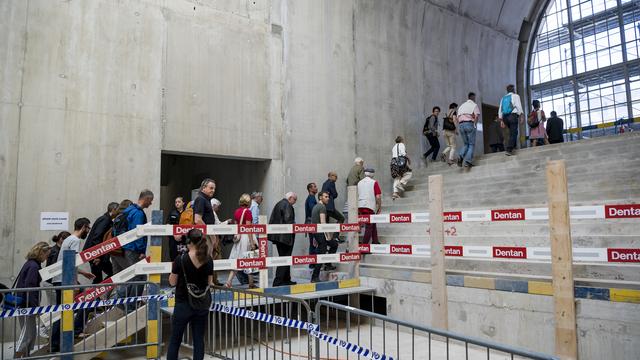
x=611 y=211
x=614 y=255
x=298 y=324
x=39 y=310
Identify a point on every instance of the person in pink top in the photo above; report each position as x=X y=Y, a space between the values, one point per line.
x=536 y=120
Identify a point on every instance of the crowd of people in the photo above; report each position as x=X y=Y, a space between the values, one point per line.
x=193 y=254
x=462 y=120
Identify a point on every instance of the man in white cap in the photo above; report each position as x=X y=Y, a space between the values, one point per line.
x=369 y=202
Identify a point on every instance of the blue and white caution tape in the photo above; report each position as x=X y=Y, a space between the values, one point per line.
x=354 y=348
x=270 y=319
x=38 y=310
x=297 y=324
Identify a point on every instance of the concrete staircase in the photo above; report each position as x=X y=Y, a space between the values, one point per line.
x=601 y=170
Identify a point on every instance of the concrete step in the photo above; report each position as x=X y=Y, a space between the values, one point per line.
x=510 y=199
x=587 y=227
x=523 y=182
x=542 y=240
x=397 y=266
x=455 y=174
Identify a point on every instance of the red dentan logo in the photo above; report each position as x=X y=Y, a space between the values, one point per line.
x=95 y=293
x=401 y=249
x=252 y=263
x=623 y=255
x=263 y=246
x=400 y=218
x=452 y=216
x=304 y=259
x=344 y=257
x=364 y=248
x=622 y=211
x=305 y=228
x=100 y=249
x=252 y=229
x=349 y=227
x=184 y=229
x=453 y=250
x=507 y=214
x=364 y=219
x=510 y=252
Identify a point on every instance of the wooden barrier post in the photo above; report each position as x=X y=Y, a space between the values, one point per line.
x=263 y=245
x=354 y=244
x=155 y=254
x=439 y=308
x=561 y=261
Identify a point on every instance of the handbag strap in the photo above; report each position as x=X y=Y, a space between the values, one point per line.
x=184 y=273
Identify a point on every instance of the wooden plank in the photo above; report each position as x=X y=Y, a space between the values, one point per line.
x=561 y=261
x=264 y=273
x=352 y=202
x=439 y=308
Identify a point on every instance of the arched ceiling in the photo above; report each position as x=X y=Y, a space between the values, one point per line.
x=503 y=15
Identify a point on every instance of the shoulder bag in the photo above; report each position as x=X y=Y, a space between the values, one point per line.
x=198 y=299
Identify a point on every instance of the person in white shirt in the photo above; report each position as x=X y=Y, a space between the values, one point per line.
x=369 y=203
x=400 y=174
x=511 y=115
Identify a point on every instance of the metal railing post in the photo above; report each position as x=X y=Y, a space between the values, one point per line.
x=68 y=278
x=153 y=310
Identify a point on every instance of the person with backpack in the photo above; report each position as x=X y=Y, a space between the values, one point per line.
x=29 y=277
x=511 y=114
x=119 y=222
x=536 y=120
x=136 y=250
x=430 y=130
x=192 y=275
x=400 y=170
x=100 y=227
x=468 y=115
x=450 y=127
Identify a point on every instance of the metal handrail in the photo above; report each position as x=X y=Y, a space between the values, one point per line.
x=444 y=333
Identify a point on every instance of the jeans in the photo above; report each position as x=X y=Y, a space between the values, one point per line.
x=184 y=315
x=511 y=121
x=131 y=257
x=435 y=146
x=323 y=244
x=468 y=133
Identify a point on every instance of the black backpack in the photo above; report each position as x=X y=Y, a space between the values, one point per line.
x=120 y=224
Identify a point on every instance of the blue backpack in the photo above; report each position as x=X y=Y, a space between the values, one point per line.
x=505 y=104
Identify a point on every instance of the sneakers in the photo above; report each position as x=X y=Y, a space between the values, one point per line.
x=460 y=161
x=508 y=153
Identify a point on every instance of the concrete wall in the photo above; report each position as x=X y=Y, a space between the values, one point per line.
x=606 y=330
x=92 y=92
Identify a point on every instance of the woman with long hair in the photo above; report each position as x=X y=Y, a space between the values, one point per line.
x=191 y=274
x=29 y=277
x=244 y=242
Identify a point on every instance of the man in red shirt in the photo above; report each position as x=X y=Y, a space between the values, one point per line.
x=369 y=202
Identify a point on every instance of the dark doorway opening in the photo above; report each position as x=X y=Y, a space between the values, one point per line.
x=181 y=175
x=489 y=113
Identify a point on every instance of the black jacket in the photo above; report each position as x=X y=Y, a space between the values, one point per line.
x=282 y=213
x=99 y=228
x=555 y=127
x=330 y=187
x=174 y=217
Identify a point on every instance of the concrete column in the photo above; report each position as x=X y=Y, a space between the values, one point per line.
x=439 y=308
x=561 y=261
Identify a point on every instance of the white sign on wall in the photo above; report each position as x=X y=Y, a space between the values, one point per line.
x=54 y=221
